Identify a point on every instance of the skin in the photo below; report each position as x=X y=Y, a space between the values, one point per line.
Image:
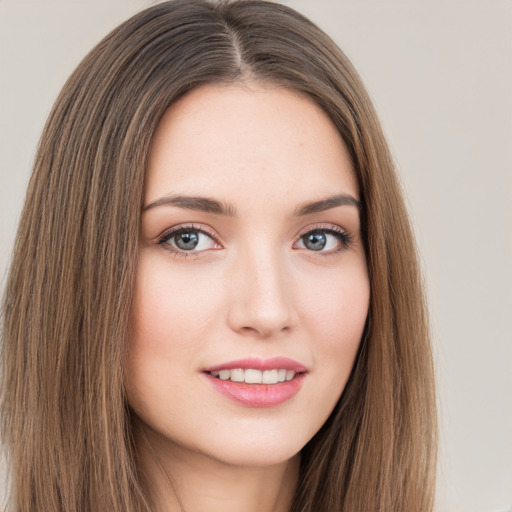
x=251 y=288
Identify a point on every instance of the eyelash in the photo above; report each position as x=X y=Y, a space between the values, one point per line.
x=164 y=238
x=343 y=236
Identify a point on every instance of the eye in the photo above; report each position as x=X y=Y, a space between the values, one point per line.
x=324 y=240
x=188 y=239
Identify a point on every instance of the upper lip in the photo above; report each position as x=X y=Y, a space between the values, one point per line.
x=254 y=363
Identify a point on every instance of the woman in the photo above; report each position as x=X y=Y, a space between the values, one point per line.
x=215 y=300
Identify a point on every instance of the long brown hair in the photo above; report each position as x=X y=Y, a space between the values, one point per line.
x=65 y=422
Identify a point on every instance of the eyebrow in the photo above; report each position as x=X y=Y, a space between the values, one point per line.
x=203 y=204
x=209 y=205
x=326 y=204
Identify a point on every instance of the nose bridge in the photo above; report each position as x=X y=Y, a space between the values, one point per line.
x=261 y=301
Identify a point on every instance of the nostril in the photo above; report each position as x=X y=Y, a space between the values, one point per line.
x=264 y=331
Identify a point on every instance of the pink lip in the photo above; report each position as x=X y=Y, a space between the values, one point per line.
x=259 y=395
x=260 y=364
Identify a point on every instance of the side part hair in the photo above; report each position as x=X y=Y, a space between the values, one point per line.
x=64 y=419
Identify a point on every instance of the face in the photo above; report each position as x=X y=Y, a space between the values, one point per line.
x=252 y=290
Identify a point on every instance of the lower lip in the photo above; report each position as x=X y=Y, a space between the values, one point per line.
x=258 y=395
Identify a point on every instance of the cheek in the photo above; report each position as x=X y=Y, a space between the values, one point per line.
x=335 y=318
x=171 y=316
x=173 y=308
x=337 y=306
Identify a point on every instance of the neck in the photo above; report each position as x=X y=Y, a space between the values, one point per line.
x=179 y=480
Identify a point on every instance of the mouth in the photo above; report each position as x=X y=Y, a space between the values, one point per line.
x=254 y=376
x=258 y=383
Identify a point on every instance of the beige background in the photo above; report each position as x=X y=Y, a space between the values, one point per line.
x=440 y=73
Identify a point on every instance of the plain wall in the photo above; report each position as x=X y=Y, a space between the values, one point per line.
x=440 y=73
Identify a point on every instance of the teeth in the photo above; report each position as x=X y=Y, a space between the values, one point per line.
x=251 y=376
x=237 y=375
x=270 y=377
x=224 y=374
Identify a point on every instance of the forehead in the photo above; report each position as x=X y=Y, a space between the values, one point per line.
x=240 y=140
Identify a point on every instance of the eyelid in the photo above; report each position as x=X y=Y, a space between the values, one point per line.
x=346 y=239
x=173 y=230
x=322 y=227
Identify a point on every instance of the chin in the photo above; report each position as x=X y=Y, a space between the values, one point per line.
x=255 y=456
x=266 y=447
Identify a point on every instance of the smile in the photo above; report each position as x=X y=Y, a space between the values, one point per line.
x=256 y=382
x=253 y=376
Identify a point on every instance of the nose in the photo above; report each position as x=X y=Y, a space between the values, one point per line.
x=261 y=298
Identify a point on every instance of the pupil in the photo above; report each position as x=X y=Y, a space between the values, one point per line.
x=187 y=240
x=315 y=241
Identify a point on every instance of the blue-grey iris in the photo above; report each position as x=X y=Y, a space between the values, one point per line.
x=314 y=241
x=186 y=240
